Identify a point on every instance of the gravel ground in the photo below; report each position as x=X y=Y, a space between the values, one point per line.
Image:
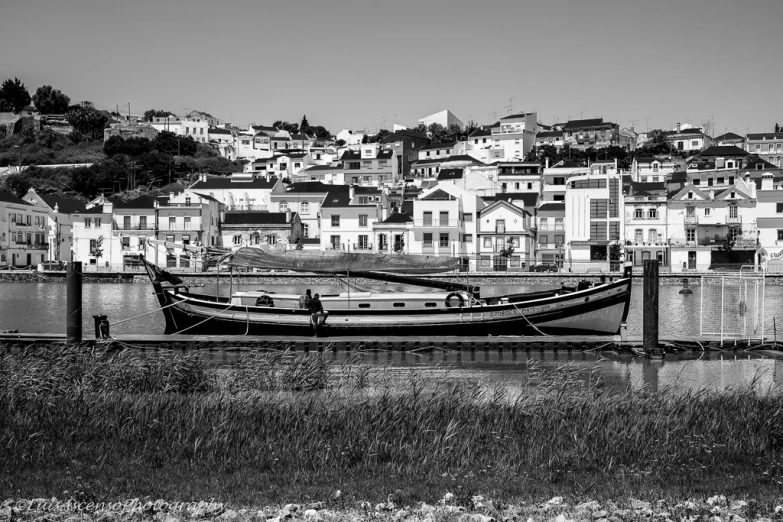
x=449 y=508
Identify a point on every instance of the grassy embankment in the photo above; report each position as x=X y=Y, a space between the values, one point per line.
x=276 y=429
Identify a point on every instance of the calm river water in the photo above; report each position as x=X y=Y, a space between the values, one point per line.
x=40 y=307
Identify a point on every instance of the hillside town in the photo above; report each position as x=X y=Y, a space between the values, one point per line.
x=584 y=195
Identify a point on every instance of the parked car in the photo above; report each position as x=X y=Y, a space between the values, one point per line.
x=53 y=265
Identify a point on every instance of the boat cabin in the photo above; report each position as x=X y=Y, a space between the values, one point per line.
x=357 y=300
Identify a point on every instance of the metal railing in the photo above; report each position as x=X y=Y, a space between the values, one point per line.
x=436 y=223
x=134 y=227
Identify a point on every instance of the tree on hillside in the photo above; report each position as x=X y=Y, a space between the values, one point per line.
x=657 y=143
x=777 y=127
x=319 y=132
x=304 y=127
x=169 y=143
x=153 y=113
x=293 y=128
x=49 y=100
x=14 y=95
x=340 y=143
x=133 y=146
x=88 y=121
x=420 y=128
x=365 y=140
x=17 y=184
x=379 y=136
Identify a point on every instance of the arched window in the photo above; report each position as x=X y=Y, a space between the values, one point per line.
x=283 y=206
x=256 y=238
x=638 y=235
x=652 y=213
x=652 y=236
x=304 y=208
x=638 y=213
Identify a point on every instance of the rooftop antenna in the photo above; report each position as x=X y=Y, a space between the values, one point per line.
x=492 y=115
x=510 y=106
x=554 y=118
x=647 y=121
x=633 y=123
x=382 y=119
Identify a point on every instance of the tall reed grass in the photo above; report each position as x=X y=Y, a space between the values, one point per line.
x=307 y=418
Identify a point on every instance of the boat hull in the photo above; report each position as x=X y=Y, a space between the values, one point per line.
x=596 y=310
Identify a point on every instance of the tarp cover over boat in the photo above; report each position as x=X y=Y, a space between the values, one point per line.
x=337 y=261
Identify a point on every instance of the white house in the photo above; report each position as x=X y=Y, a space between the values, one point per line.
x=60 y=212
x=348 y=214
x=503 y=226
x=445 y=118
x=770 y=222
x=305 y=199
x=23 y=232
x=241 y=191
x=92 y=237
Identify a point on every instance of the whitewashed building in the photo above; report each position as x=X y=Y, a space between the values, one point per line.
x=23 y=232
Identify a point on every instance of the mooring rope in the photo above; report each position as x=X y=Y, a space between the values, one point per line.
x=145 y=313
x=204 y=321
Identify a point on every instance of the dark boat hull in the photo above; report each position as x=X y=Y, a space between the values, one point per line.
x=596 y=310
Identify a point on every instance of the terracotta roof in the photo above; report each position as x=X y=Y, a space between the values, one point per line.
x=552 y=206
x=397 y=218
x=729 y=136
x=445 y=174
x=64 y=205
x=433 y=146
x=227 y=183
x=723 y=150
x=550 y=134
x=140 y=202
x=512 y=116
x=11 y=198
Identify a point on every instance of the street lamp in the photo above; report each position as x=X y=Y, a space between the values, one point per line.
x=20 y=156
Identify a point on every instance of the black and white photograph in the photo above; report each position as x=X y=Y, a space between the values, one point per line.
x=403 y=261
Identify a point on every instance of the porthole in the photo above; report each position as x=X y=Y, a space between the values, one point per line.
x=364 y=305
x=587 y=299
x=398 y=305
x=430 y=305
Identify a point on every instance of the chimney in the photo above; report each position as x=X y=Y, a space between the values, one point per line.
x=351 y=191
x=615 y=164
x=678 y=126
x=287 y=216
x=108 y=207
x=547 y=162
x=712 y=193
x=767 y=181
x=202 y=176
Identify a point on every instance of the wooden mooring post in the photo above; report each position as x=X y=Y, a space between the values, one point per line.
x=650 y=308
x=73 y=306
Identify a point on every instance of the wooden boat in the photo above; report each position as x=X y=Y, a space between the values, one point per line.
x=445 y=308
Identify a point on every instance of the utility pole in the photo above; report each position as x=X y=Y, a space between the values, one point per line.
x=510 y=106
x=632 y=122
x=647 y=121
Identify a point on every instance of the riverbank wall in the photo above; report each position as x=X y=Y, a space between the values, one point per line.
x=286 y=278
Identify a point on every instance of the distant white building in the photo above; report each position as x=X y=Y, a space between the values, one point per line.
x=351 y=137
x=445 y=118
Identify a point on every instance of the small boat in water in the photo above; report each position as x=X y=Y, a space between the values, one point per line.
x=443 y=308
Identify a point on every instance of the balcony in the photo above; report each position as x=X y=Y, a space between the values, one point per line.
x=134 y=227
x=691 y=220
x=547 y=227
x=362 y=247
x=736 y=220
x=436 y=223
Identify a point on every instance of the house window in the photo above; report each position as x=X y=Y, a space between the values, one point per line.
x=87 y=222
x=428 y=240
x=638 y=213
x=93 y=246
x=652 y=214
x=334 y=241
x=187 y=223
x=709 y=182
x=363 y=220
x=779 y=208
x=558 y=223
x=559 y=240
x=694 y=143
x=184 y=261
x=304 y=208
x=780 y=235
x=427 y=219
x=652 y=236
x=283 y=206
x=530 y=186
x=237 y=239
x=363 y=243
x=305 y=230
x=543 y=239
x=444 y=219
x=706 y=211
x=500 y=226
x=729 y=164
x=143 y=223
x=126 y=222
x=271 y=239
x=383 y=244
x=444 y=241
x=733 y=211
x=721 y=180
x=171 y=261
x=487 y=242
x=336 y=220
x=697 y=182
x=655 y=167
x=185 y=239
x=690 y=235
x=638 y=236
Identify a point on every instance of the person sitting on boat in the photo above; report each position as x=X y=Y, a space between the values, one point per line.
x=317 y=313
x=304 y=301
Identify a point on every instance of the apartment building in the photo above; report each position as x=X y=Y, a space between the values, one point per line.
x=766 y=145
x=445 y=221
x=59 y=224
x=348 y=215
x=369 y=166
x=550 y=233
x=240 y=191
x=702 y=218
x=254 y=228
x=594 y=132
x=23 y=232
x=769 y=211
x=594 y=211
x=689 y=140
x=646 y=226
x=519 y=176
x=304 y=199
x=92 y=237
x=405 y=144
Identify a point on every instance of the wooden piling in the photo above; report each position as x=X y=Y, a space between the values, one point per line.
x=650 y=306
x=73 y=306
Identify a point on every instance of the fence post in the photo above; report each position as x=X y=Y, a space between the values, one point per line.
x=73 y=307
x=650 y=310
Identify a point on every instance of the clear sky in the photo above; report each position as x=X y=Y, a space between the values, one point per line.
x=345 y=63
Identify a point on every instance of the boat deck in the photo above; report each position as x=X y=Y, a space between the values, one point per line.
x=390 y=343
